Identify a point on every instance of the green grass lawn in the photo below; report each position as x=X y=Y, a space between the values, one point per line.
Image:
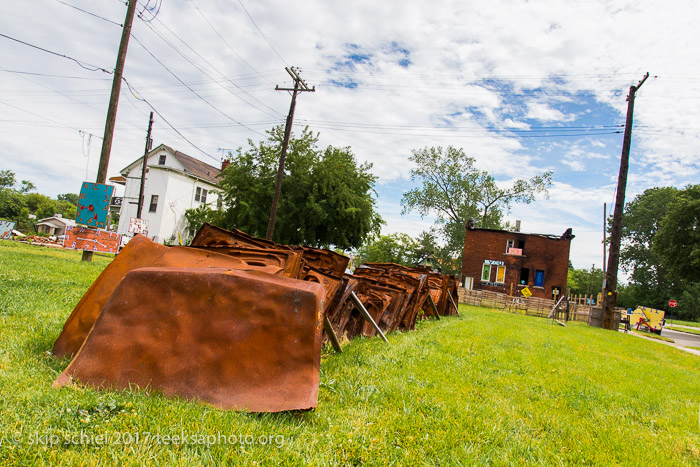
x=694 y=324
x=488 y=387
x=689 y=331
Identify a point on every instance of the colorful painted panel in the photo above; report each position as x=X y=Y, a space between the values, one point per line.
x=6 y=229
x=83 y=238
x=93 y=204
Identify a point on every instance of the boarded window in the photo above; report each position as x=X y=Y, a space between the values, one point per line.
x=501 y=274
x=539 y=278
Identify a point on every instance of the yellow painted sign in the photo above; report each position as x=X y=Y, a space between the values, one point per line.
x=649 y=317
x=526 y=292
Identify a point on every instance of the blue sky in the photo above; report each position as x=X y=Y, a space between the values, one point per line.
x=524 y=87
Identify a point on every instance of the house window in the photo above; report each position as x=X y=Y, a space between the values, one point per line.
x=539 y=278
x=510 y=244
x=521 y=244
x=154 y=203
x=524 y=276
x=486 y=273
x=161 y=160
x=200 y=195
x=500 y=275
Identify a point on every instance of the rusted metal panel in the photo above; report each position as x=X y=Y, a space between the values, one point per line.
x=210 y=235
x=325 y=260
x=235 y=339
x=289 y=260
x=139 y=252
x=329 y=283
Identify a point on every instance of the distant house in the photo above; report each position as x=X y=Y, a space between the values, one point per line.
x=175 y=182
x=506 y=262
x=55 y=225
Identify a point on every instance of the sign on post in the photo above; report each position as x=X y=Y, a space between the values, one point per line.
x=672 y=303
x=138 y=226
x=83 y=238
x=6 y=228
x=526 y=292
x=93 y=204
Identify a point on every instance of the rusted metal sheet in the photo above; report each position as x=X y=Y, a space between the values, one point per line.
x=139 y=252
x=235 y=339
x=329 y=283
x=289 y=260
x=210 y=235
x=325 y=260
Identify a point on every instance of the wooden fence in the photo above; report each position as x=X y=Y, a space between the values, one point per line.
x=533 y=306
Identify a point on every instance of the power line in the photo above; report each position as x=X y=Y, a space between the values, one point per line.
x=79 y=62
x=91 y=14
x=131 y=88
x=51 y=75
x=193 y=91
x=213 y=67
x=226 y=42
x=261 y=33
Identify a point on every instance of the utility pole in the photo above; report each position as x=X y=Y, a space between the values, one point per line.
x=605 y=239
x=113 y=102
x=149 y=144
x=610 y=289
x=299 y=86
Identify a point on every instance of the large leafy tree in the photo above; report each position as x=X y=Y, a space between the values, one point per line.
x=661 y=249
x=642 y=219
x=327 y=198
x=455 y=191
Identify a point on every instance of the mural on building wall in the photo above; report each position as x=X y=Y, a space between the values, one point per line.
x=93 y=204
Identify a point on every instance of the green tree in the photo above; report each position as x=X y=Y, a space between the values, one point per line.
x=396 y=248
x=70 y=197
x=677 y=247
x=7 y=179
x=649 y=282
x=326 y=199
x=455 y=191
x=585 y=281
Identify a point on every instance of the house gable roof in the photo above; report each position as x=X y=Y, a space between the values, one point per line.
x=193 y=167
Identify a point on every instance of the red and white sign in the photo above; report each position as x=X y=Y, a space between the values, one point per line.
x=139 y=226
x=672 y=303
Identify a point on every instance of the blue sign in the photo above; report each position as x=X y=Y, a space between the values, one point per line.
x=93 y=204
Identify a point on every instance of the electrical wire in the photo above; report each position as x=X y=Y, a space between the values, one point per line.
x=261 y=33
x=141 y=98
x=214 y=68
x=193 y=91
x=91 y=14
x=87 y=66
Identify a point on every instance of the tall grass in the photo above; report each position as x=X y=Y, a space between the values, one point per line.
x=488 y=387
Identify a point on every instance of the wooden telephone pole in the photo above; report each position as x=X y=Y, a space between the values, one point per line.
x=610 y=289
x=299 y=86
x=113 y=102
x=149 y=144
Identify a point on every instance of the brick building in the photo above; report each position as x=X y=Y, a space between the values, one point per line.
x=503 y=261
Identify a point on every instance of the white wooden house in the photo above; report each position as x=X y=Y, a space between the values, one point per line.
x=175 y=182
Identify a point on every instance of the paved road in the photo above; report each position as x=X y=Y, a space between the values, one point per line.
x=683 y=340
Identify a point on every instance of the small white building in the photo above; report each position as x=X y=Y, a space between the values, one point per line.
x=55 y=225
x=175 y=182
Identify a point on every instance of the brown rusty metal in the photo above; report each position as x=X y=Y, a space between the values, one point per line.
x=325 y=260
x=329 y=283
x=210 y=235
x=235 y=339
x=139 y=252
x=289 y=260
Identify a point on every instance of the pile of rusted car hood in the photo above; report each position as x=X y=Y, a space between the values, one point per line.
x=233 y=320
